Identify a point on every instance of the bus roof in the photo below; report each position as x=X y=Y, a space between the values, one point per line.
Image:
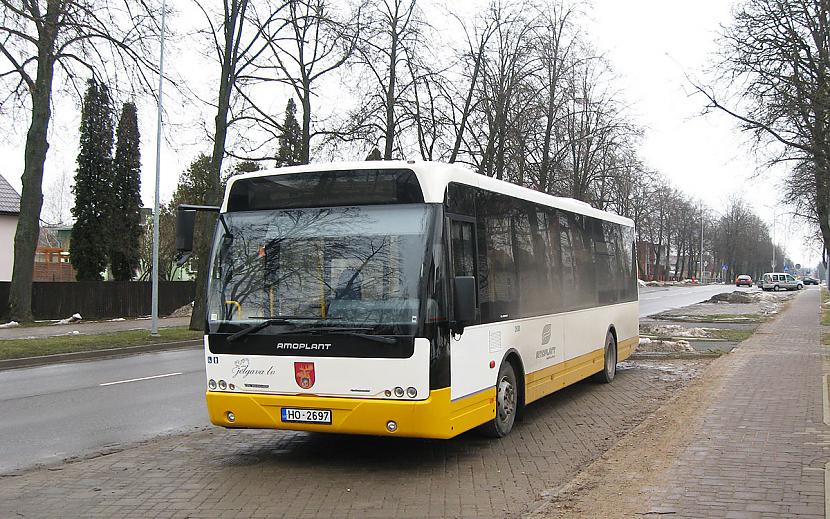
x=434 y=178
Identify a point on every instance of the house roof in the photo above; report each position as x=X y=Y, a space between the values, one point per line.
x=9 y=199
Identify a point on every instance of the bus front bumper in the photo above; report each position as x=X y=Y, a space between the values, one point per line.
x=435 y=417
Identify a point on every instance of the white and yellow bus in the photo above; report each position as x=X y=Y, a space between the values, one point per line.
x=409 y=299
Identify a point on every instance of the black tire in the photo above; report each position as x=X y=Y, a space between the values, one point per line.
x=799 y=287
x=609 y=360
x=776 y=288
x=507 y=403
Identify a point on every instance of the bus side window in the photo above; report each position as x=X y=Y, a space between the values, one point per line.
x=463 y=248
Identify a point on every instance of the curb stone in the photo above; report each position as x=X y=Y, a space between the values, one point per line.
x=27 y=362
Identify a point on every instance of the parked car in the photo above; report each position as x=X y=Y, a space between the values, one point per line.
x=807 y=280
x=743 y=279
x=779 y=281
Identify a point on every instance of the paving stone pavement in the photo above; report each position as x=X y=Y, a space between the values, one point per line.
x=231 y=473
x=760 y=449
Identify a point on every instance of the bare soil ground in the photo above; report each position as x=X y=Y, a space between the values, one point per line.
x=731 y=307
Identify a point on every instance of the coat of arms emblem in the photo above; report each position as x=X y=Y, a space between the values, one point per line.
x=304 y=374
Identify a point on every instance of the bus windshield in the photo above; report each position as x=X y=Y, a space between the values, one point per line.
x=336 y=266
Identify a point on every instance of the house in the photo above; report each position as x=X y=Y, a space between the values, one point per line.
x=9 y=213
x=52 y=255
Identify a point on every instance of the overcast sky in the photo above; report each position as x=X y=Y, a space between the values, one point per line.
x=651 y=45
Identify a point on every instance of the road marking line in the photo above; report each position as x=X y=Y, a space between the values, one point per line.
x=139 y=379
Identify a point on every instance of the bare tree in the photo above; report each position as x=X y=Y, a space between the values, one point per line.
x=553 y=45
x=388 y=40
x=57 y=199
x=502 y=92
x=776 y=58
x=42 y=41
x=307 y=44
x=472 y=59
x=237 y=47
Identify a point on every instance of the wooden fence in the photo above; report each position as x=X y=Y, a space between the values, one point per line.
x=102 y=299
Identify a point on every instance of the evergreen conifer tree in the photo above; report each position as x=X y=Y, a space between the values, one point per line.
x=291 y=149
x=374 y=154
x=124 y=218
x=88 y=246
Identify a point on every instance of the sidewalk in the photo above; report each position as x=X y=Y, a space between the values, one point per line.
x=760 y=448
x=89 y=328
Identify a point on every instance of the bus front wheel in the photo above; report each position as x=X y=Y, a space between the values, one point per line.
x=507 y=400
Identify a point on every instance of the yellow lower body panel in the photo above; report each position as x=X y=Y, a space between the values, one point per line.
x=546 y=381
x=436 y=417
x=626 y=348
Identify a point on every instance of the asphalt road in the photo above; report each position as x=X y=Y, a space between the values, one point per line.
x=61 y=411
x=654 y=300
x=50 y=413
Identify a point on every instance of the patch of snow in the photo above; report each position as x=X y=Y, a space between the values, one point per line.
x=657 y=346
x=10 y=324
x=675 y=330
x=73 y=319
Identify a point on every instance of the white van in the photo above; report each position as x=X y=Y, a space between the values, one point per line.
x=779 y=281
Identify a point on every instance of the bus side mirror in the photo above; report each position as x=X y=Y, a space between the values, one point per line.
x=185 y=223
x=464 y=301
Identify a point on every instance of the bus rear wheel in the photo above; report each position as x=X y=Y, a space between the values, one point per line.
x=609 y=364
x=507 y=400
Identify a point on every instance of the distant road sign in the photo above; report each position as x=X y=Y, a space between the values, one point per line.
x=798 y=266
x=723 y=267
x=786 y=268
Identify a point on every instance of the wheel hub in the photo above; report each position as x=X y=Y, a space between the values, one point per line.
x=506 y=399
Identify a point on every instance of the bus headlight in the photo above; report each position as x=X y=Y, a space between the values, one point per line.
x=411 y=392
x=399 y=392
x=391 y=426
x=212 y=384
x=231 y=417
x=222 y=385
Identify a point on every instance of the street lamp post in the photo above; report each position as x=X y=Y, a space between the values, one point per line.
x=701 y=243
x=154 y=327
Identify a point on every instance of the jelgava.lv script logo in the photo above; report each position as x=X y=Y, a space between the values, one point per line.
x=304 y=374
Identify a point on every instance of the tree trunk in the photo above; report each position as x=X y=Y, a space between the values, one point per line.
x=306 y=144
x=31 y=197
x=680 y=261
x=465 y=113
x=390 y=95
x=203 y=235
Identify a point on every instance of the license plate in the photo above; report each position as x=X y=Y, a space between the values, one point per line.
x=322 y=416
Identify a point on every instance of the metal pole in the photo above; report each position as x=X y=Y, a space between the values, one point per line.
x=701 y=243
x=154 y=328
x=774 y=219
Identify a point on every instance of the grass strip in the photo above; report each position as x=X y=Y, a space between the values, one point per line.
x=713 y=318
x=20 y=348
x=733 y=335
x=825 y=311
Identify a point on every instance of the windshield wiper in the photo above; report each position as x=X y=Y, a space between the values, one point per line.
x=353 y=332
x=266 y=323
